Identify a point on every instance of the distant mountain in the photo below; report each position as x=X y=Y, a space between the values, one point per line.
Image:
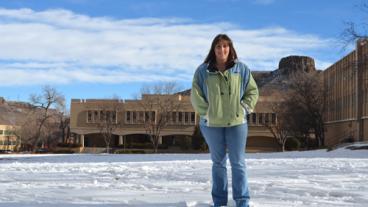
x=13 y=112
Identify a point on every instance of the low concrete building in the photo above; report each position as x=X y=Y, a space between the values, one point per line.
x=131 y=132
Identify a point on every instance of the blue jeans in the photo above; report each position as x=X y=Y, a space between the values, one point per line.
x=234 y=140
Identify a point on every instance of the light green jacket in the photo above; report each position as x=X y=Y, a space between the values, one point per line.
x=223 y=99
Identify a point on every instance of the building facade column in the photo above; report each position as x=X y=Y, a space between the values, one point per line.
x=121 y=140
x=81 y=140
x=359 y=88
x=160 y=140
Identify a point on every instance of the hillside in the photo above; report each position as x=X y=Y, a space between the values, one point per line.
x=13 y=112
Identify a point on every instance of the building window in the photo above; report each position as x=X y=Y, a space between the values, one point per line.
x=102 y=116
x=153 y=117
x=173 y=117
x=186 y=117
x=134 y=116
x=260 y=118
x=105 y=116
x=192 y=117
x=114 y=116
x=150 y=116
x=180 y=117
x=95 y=117
x=138 y=117
x=1 y=132
x=267 y=120
x=254 y=118
x=111 y=116
x=8 y=133
x=108 y=116
x=89 y=116
x=273 y=118
x=127 y=117
x=147 y=116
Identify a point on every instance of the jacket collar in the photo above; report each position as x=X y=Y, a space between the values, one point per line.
x=211 y=68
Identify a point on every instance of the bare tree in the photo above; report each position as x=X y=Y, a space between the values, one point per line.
x=280 y=128
x=300 y=123
x=64 y=127
x=25 y=133
x=355 y=30
x=306 y=103
x=52 y=133
x=46 y=106
x=159 y=102
x=108 y=121
x=63 y=118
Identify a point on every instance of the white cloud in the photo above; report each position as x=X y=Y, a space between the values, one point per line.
x=60 y=46
x=63 y=73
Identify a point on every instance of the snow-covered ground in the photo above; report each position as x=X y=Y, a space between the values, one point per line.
x=314 y=178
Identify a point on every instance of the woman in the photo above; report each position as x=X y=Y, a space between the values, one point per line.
x=223 y=93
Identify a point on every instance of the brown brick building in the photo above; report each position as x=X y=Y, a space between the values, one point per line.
x=130 y=114
x=85 y=115
x=346 y=83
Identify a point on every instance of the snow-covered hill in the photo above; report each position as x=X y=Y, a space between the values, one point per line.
x=313 y=178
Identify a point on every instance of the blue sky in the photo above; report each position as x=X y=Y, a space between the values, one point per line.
x=105 y=48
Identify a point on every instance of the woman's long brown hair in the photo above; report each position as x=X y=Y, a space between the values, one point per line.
x=211 y=57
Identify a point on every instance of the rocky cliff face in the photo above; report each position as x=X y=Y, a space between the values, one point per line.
x=271 y=83
x=291 y=64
